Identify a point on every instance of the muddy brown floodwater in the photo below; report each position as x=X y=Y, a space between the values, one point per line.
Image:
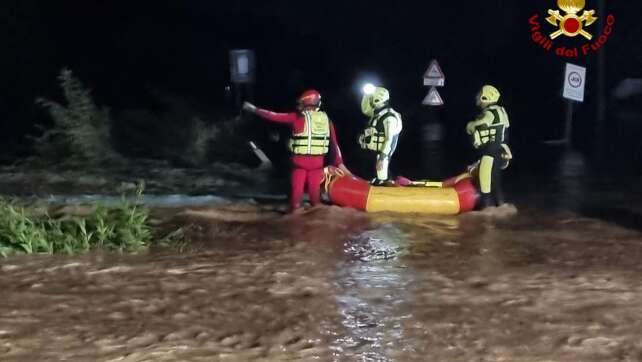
x=337 y=285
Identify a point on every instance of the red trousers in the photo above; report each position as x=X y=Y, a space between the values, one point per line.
x=306 y=170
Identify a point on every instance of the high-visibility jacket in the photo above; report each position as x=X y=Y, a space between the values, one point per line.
x=490 y=127
x=383 y=127
x=315 y=138
x=299 y=124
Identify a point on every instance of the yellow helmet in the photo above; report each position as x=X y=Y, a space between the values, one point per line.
x=374 y=100
x=380 y=97
x=489 y=94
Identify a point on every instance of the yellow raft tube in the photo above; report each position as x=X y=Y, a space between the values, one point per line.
x=451 y=197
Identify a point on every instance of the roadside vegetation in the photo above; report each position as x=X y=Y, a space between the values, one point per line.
x=83 y=145
x=25 y=230
x=81 y=130
x=83 y=134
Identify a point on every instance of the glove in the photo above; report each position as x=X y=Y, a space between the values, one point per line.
x=334 y=171
x=249 y=107
x=476 y=140
x=471 y=168
x=343 y=170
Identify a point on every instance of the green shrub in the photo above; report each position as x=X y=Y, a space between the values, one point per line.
x=120 y=228
x=200 y=142
x=81 y=130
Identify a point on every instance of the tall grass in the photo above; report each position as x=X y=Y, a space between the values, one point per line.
x=120 y=228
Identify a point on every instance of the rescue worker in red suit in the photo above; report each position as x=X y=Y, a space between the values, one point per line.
x=313 y=137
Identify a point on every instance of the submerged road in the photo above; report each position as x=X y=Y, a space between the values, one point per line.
x=338 y=285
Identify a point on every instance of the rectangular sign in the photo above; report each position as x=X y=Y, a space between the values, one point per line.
x=241 y=66
x=574 y=82
x=434 y=82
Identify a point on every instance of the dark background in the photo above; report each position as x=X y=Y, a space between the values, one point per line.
x=124 y=49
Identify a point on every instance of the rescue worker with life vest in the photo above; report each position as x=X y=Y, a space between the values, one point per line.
x=313 y=136
x=382 y=134
x=489 y=136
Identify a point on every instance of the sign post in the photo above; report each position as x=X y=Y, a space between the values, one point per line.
x=574 y=82
x=434 y=77
x=574 y=85
x=242 y=69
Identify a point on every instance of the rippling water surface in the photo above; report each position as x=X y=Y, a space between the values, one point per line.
x=557 y=280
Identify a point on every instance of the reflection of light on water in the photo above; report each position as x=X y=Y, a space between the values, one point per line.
x=380 y=244
x=432 y=151
x=432 y=132
x=366 y=311
x=373 y=288
x=573 y=172
x=572 y=164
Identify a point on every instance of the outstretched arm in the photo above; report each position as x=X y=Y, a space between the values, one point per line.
x=269 y=115
x=276 y=117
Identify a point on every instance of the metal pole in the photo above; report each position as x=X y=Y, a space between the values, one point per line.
x=238 y=96
x=250 y=92
x=601 y=89
x=568 y=133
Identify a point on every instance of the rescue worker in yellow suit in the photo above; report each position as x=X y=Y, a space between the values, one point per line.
x=489 y=137
x=382 y=134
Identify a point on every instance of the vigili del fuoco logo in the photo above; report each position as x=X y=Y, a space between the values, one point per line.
x=570 y=21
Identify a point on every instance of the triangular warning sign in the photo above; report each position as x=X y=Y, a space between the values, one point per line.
x=434 y=71
x=433 y=98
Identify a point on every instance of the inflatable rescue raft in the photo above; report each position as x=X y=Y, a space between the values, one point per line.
x=451 y=197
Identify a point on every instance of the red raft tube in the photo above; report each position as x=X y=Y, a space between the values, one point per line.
x=451 y=197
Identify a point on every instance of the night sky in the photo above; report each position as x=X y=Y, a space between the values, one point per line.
x=122 y=49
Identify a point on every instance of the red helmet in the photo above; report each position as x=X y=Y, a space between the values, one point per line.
x=310 y=99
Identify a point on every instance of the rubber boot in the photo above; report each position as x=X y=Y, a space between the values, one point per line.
x=383 y=183
x=377 y=182
x=485 y=201
x=499 y=198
